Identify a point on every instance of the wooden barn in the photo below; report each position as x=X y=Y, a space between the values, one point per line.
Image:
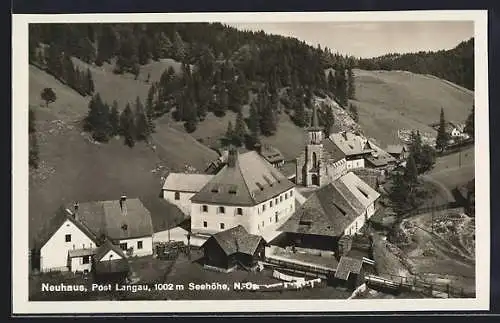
x=233 y=248
x=110 y=263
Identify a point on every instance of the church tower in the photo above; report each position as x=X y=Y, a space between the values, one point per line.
x=311 y=174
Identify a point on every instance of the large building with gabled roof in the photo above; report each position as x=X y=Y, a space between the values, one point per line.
x=247 y=191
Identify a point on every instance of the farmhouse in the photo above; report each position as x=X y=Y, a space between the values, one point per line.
x=179 y=188
x=339 y=209
x=247 y=191
x=232 y=248
x=70 y=239
x=399 y=152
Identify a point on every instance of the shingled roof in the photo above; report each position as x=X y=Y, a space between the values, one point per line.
x=109 y=218
x=186 y=182
x=332 y=208
x=350 y=143
x=105 y=248
x=247 y=179
x=236 y=239
x=346 y=266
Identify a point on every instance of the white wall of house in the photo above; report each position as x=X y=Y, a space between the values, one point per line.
x=78 y=265
x=370 y=210
x=356 y=225
x=355 y=163
x=54 y=254
x=147 y=246
x=253 y=218
x=184 y=201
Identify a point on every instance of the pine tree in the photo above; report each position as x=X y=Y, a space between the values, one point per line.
x=329 y=121
x=178 y=48
x=240 y=130
x=150 y=109
x=442 y=135
x=351 y=90
x=90 y=82
x=254 y=118
x=331 y=82
x=144 y=50
x=399 y=194
x=127 y=126
x=141 y=123
x=411 y=173
x=341 y=87
x=353 y=109
x=114 y=120
x=268 y=116
x=469 y=124
x=163 y=46
x=54 y=60
x=97 y=120
x=48 y=95
x=229 y=132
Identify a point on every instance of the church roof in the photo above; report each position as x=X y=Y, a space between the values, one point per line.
x=247 y=179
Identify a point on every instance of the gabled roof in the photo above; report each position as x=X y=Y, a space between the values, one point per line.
x=334 y=152
x=395 y=149
x=346 y=266
x=61 y=215
x=236 y=239
x=81 y=252
x=332 y=208
x=105 y=248
x=250 y=180
x=186 y=182
x=361 y=190
x=350 y=144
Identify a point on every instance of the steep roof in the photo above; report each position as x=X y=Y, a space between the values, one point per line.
x=249 y=180
x=395 y=149
x=334 y=152
x=105 y=248
x=237 y=239
x=332 y=208
x=186 y=182
x=350 y=144
x=346 y=266
x=131 y=221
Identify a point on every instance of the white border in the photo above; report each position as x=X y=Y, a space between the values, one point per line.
x=20 y=172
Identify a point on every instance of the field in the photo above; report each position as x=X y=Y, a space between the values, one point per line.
x=73 y=167
x=454 y=169
x=391 y=100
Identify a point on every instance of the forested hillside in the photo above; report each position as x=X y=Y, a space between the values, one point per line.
x=455 y=65
x=222 y=69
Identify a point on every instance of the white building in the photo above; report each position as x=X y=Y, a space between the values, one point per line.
x=247 y=191
x=179 y=188
x=70 y=240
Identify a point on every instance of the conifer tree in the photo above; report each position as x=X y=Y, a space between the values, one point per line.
x=442 y=135
x=268 y=116
x=469 y=124
x=239 y=130
x=229 y=131
x=351 y=90
x=178 y=48
x=353 y=109
x=114 y=120
x=329 y=121
x=33 y=142
x=411 y=172
x=127 y=126
x=90 y=82
x=150 y=109
x=48 y=95
x=341 y=87
x=141 y=123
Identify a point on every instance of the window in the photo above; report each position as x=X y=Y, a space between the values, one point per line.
x=68 y=238
x=123 y=246
x=239 y=211
x=286 y=196
x=83 y=245
x=205 y=224
x=222 y=226
x=222 y=209
x=205 y=208
x=276 y=201
x=281 y=198
x=139 y=244
x=177 y=196
x=291 y=193
x=86 y=260
x=271 y=204
x=262 y=223
x=263 y=207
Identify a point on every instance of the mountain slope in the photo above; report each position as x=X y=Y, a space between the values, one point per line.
x=391 y=100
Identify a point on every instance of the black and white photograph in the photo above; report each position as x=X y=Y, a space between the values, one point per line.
x=250 y=162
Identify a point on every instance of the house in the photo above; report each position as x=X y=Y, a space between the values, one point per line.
x=350 y=272
x=339 y=209
x=326 y=159
x=179 y=188
x=399 y=152
x=272 y=155
x=247 y=191
x=74 y=233
x=232 y=248
x=110 y=263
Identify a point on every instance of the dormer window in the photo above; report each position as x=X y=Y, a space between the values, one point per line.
x=177 y=196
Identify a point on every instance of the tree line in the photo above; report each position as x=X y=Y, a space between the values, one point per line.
x=455 y=65
x=105 y=122
x=222 y=68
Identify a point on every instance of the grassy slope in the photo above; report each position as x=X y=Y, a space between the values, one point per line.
x=80 y=170
x=391 y=100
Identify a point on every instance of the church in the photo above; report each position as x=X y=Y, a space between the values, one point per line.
x=326 y=159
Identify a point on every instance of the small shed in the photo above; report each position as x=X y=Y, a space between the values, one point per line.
x=349 y=272
x=233 y=248
x=110 y=263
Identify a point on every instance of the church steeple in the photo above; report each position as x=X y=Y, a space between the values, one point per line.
x=315 y=132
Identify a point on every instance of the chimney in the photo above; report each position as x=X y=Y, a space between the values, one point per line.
x=344 y=134
x=75 y=209
x=123 y=204
x=232 y=157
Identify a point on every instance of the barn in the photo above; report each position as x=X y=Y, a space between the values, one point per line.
x=227 y=250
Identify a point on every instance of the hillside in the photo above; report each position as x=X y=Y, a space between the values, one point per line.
x=391 y=100
x=455 y=65
x=73 y=167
